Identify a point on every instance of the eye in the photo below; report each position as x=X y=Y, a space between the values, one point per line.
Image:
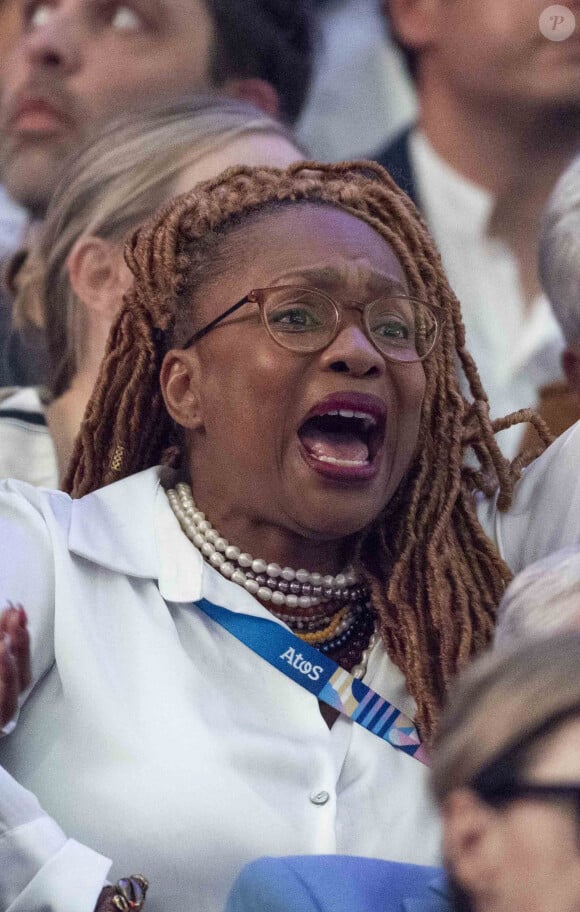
x=392 y=328
x=295 y=318
x=125 y=19
x=37 y=15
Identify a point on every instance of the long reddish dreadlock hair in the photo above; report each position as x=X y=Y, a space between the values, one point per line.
x=434 y=577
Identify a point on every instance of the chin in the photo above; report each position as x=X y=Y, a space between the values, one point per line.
x=327 y=520
x=31 y=174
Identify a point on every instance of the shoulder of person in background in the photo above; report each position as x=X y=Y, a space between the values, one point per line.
x=337 y=883
x=396 y=158
x=26 y=448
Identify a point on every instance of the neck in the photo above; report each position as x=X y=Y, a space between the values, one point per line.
x=269 y=540
x=64 y=417
x=516 y=155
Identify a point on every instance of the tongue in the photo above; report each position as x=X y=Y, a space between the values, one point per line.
x=341 y=445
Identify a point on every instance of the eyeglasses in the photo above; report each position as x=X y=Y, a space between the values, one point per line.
x=305 y=320
x=511 y=791
x=498 y=795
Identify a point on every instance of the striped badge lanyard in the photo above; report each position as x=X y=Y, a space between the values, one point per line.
x=322 y=677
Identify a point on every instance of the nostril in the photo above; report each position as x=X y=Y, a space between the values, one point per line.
x=339 y=367
x=51 y=58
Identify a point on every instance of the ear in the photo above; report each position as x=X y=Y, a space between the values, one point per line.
x=571 y=368
x=414 y=22
x=179 y=379
x=98 y=275
x=471 y=841
x=257 y=92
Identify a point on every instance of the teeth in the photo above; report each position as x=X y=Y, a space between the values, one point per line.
x=342 y=462
x=369 y=420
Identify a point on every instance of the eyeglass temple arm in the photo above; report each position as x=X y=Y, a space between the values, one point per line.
x=206 y=329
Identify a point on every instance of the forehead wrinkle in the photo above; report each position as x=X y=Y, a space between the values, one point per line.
x=353 y=275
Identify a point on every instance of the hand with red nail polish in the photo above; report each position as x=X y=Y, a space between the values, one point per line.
x=14 y=659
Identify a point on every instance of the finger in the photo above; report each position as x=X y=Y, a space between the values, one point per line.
x=17 y=631
x=5 y=617
x=8 y=683
x=20 y=646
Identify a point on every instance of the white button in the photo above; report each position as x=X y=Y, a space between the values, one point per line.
x=320 y=797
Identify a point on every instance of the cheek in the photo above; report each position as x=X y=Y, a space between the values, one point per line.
x=541 y=851
x=411 y=386
x=247 y=399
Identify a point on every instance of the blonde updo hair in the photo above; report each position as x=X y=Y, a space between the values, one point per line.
x=112 y=185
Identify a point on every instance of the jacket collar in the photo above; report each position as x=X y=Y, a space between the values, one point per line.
x=129 y=527
x=435 y=899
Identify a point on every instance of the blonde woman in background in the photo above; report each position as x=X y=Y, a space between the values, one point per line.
x=73 y=283
x=506 y=775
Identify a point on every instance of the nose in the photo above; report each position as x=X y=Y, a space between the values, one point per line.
x=353 y=353
x=54 y=44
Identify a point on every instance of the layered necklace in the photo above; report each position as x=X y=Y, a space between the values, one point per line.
x=332 y=613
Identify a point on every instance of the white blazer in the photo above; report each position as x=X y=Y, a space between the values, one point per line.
x=158 y=741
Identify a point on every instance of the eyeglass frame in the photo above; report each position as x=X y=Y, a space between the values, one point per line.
x=512 y=791
x=251 y=298
x=501 y=794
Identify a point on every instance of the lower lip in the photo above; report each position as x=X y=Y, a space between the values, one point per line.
x=37 y=122
x=341 y=473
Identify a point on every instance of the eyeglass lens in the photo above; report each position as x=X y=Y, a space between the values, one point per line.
x=303 y=320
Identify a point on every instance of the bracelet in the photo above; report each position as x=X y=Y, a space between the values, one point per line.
x=128 y=895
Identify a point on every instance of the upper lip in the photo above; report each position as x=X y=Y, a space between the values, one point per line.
x=362 y=405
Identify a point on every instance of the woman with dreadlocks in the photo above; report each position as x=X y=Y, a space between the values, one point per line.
x=272 y=559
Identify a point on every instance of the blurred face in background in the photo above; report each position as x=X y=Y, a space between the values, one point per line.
x=492 y=50
x=522 y=855
x=79 y=63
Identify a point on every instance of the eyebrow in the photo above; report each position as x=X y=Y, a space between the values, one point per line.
x=331 y=276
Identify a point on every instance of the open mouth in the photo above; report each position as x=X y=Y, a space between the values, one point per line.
x=343 y=442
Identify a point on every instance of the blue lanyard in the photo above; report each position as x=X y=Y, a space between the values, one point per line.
x=322 y=677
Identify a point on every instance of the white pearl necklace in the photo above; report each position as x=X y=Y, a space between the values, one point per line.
x=224 y=557
x=360 y=669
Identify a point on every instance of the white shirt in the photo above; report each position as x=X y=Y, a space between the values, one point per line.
x=13 y=221
x=26 y=448
x=516 y=349
x=159 y=741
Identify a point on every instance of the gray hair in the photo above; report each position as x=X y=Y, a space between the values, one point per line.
x=560 y=251
x=542 y=599
x=504 y=698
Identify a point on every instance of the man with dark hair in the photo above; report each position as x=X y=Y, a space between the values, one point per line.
x=499 y=118
x=81 y=63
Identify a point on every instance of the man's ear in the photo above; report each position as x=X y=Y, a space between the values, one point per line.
x=571 y=368
x=255 y=91
x=98 y=275
x=472 y=842
x=414 y=22
x=180 y=385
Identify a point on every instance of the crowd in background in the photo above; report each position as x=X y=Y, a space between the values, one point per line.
x=117 y=122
